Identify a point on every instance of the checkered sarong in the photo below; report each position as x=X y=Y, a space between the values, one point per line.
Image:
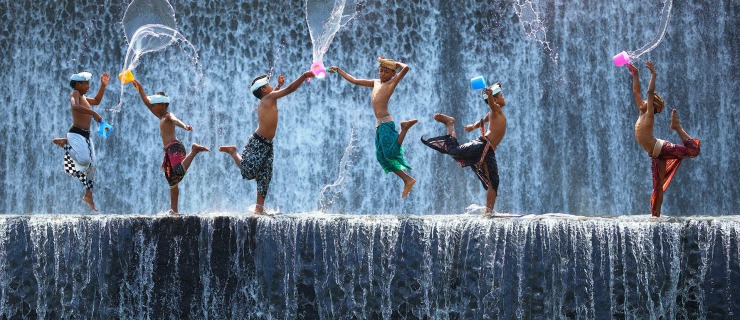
x=69 y=168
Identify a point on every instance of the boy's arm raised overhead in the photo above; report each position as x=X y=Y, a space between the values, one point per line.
x=144 y=98
x=404 y=69
x=104 y=79
x=636 y=86
x=277 y=94
x=78 y=107
x=350 y=78
x=651 y=86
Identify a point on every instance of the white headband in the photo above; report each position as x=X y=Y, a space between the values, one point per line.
x=82 y=76
x=259 y=83
x=495 y=88
x=158 y=98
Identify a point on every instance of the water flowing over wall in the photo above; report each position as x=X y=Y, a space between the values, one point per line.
x=569 y=146
x=332 y=266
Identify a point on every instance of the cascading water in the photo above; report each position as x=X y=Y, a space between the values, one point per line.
x=569 y=148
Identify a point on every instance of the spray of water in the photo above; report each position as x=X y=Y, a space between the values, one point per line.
x=150 y=26
x=324 y=19
x=330 y=191
x=533 y=24
x=665 y=16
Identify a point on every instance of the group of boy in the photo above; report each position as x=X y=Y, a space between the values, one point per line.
x=255 y=161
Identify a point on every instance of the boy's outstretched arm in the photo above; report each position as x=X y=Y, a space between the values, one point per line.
x=140 y=89
x=350 y=78
x=636 y=86
x=293 y=86
x=104 y=79
x=171 y=117
x=281 y=81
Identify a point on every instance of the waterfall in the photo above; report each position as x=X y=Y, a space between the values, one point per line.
x=569 y=145
x=322 y=266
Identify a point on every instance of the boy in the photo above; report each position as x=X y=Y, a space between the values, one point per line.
x=666 y=156
x=255 y=163
x=79 y=150
x=175 y=163
x=388 y=141
x=478 y=154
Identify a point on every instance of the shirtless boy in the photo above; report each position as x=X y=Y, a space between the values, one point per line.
x=388 y=141
x=255 y=163
x=666 y=156
x=478 y=154
x=79 y=150
x=175 y=163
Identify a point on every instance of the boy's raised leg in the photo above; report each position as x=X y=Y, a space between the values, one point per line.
x=231 y=150
x=405 y=126
x=194 y=150
x=59 y=141
x=448 y=121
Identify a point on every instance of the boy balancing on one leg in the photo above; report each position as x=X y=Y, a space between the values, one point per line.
x=255 y=162
x=478 y=154
x=79 y=150
x=666 y=156
x=388 y=141
x=175 y=163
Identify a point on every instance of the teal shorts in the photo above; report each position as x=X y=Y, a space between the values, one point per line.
x=387 y=150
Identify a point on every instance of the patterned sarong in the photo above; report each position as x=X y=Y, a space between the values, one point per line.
x=671 y=154
x=387 y=150
x=257 y=162
x=174 y=154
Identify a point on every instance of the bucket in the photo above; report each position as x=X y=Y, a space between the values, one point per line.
x=126 y=76
x=478 y=83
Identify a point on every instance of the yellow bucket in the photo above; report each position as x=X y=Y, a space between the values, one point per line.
x=126 y=76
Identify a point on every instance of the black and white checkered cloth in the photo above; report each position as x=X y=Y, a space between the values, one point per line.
x=69 y=168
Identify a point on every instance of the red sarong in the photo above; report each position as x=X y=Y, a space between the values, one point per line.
x=174 y=154
x=671 y=154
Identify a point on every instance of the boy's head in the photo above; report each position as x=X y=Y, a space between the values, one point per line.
x=80 y=81
x=386 y=69
x=261 y=86
x=496 y=93
x=658 y=102
x=159 y=100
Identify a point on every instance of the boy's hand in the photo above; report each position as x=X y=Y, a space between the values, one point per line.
x=281 y=80
x=308 y=74
x=650 y=66
x=469 y=128
x=632 y=69
x=136 y=85
x=97 y=118
x=105 y=78
x=334 y=69
x=188 y=127
x=488 y=92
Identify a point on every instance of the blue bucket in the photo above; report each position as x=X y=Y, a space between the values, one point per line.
x=478 y=83
x=105 y=129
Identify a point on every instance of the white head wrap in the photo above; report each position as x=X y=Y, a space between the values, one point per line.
x=259 y=83
x=495 y=88
x=82 y=76
x=158 y=98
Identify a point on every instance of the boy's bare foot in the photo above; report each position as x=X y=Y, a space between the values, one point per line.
x=407 y=185
x=405 y=125
x=199 y=148
x=60 y=141
x=258 y=209
x=227 y=149
x=447 y=120
x=675 y=123
x=90 y=202
x=173 y=212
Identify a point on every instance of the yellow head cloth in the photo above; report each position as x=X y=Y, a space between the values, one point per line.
x=387 y=63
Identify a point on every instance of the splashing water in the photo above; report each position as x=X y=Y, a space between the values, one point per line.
x=665 y=16
x=150 y=26
x=330 y=191
x=324 y=19
x=534 y=26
